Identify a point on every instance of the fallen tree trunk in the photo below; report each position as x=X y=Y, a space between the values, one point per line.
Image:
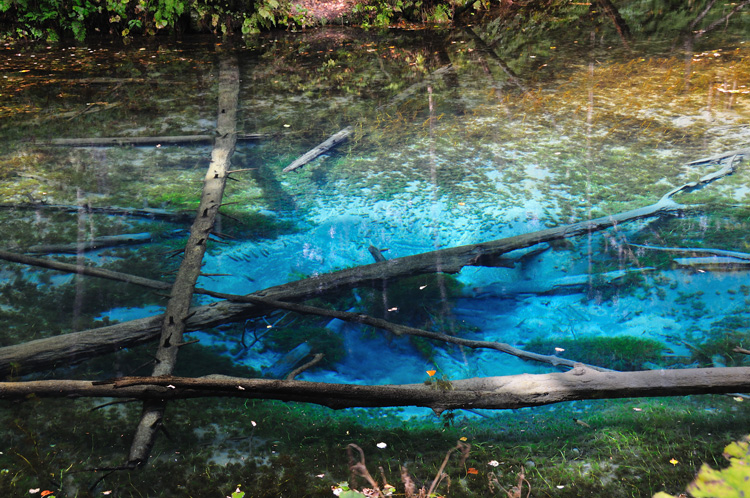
x=40 y=354
x=697 y=250
x=513 y=391
x=127 y=239
x=142 y=141
x=342 y=135
x=330 y=143
x=173 y=323
x=152 y=213
x=570 y=284
x=298 y=308
x=713 y=263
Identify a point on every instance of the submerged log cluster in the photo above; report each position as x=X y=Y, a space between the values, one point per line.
x=168 y=329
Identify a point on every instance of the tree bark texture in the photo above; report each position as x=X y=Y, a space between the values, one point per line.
x=178 y=307
x=319 y=149
x=513 y=391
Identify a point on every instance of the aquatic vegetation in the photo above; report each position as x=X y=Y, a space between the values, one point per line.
x=717 y=347
x=729 y=482
x=624 y=353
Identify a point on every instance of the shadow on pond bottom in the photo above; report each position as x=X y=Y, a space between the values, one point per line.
x=612 y=448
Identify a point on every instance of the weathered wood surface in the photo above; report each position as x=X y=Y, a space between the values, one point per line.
x=319 y=149
x=173 y=323
x=713 y=263
x=143 y=141
x=514 y=391
x=299 y=308
x=719 y=157
x=42 y=353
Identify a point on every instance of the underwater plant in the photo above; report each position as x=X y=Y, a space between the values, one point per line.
x=731 y=482
x=623 y=353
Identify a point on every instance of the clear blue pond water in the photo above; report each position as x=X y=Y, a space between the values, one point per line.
x=459 y=137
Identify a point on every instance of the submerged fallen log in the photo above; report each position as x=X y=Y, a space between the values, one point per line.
x=127 y=239
x=152 y=213
x=513 y=391
x=299 y=308
x=697 y=250
x=342 y=135
x=713 y=263
x=142 y=141
x=571 y=284
x=44 y=354
x=330 y=143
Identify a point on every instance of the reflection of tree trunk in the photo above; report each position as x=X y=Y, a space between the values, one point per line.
x=451 y=77
x=512 y=391
x=721 y=21
x=44 y=354
x=620 y=25
x=482 y=45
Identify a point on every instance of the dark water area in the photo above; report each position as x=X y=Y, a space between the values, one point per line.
x=459 y=137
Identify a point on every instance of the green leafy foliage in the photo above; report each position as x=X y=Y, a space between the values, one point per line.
x=731 y=482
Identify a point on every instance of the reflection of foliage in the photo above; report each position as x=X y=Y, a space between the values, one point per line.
x=618 y=353
x=421 y=301
x=27 y=312
x=51 y=20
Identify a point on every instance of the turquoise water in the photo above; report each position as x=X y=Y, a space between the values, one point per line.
x=459 y=137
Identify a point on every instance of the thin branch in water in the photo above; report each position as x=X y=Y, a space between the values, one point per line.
x=316 y=359
x=116 y=402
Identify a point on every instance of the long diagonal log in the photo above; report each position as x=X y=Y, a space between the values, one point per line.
x=697 y=250
x=514 y=391
x=37 y=355
x=298 y=308
x=174 y=320
x=398 y=329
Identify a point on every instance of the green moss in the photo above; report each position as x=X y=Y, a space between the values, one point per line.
x=618 y=353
